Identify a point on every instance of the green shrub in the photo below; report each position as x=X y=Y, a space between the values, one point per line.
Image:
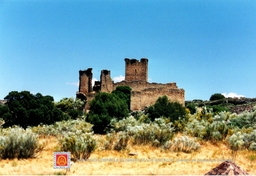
x=19 y=143
x=206 y=125
x=79 y=144
x=250 y=140
x=244 y=120
x=72 y=107
x=123 y=124
x=156 y=133
x=236 y=141
x=191 y=107
x=164 y=108
x=240 y=140
x=182 y=143
x=103 y=108
x=218 y=108
x=62 y=127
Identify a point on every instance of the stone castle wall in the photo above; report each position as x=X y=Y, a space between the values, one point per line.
x=85 y=81
x=143 y=93
x=136 y=70
x=141 y=85
x=106 y=81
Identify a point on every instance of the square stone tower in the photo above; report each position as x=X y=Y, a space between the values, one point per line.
x=136 y=70
x=85 y=81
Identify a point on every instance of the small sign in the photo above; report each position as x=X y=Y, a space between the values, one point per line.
x=61 y=160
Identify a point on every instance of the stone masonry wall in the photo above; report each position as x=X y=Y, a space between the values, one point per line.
x=141 y=85
x=136 y=70
x=142 y=99
x=85 y=81
x=106 y=81
x=143 y=93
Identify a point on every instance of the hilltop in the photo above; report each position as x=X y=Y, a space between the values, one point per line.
x=235 y=105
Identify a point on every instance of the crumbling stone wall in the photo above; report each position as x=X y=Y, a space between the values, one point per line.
x=106 y=81
x=143 y=93
x=141 y=85
x=85 y=81
x=144 y=98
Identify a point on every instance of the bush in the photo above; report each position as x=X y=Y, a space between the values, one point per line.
x=236 y=141
x=244 y=120
x=103 y=108
x=241 y=140
x=124 y=124
x=156 y=133
x=183 y=143
x=80 y=145
x=122 y=141
x=164 y=108
x=62 y=127
x=117 y=141
x=217 y=96
x=18 y=143
x=72 y=107
x=205 y=125
x=191 y=107
x=218 y=108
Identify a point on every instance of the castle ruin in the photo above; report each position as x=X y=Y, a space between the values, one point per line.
x=143 y=93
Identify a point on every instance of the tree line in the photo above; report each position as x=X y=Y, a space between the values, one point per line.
x=26 y=109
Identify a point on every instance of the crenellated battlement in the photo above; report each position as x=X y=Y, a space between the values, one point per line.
x=136 y=70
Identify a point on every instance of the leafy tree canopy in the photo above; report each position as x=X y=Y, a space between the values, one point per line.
x=25 y=109
x=103 y=108
x=217 y=96
x=164 y=108
x=124 y=92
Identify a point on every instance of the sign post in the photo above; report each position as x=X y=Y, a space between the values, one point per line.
x=62 y=160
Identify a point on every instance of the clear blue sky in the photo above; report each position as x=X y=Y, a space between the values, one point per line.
x=206 y=47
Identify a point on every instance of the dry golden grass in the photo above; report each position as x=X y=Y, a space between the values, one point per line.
x=149 y=161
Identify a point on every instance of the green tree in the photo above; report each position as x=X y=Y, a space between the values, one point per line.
x=217 y=96
x=164 y=108
x=103 y=108
x=124 y=92
x=25 y=109
x=72 y=107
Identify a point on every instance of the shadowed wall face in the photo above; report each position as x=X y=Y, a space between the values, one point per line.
x=85 y=81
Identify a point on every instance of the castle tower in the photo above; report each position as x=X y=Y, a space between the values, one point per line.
x=106 y=81
x=136 y=70
x=85 y=81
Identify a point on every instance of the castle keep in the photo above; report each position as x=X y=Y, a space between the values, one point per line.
x=143 y=93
